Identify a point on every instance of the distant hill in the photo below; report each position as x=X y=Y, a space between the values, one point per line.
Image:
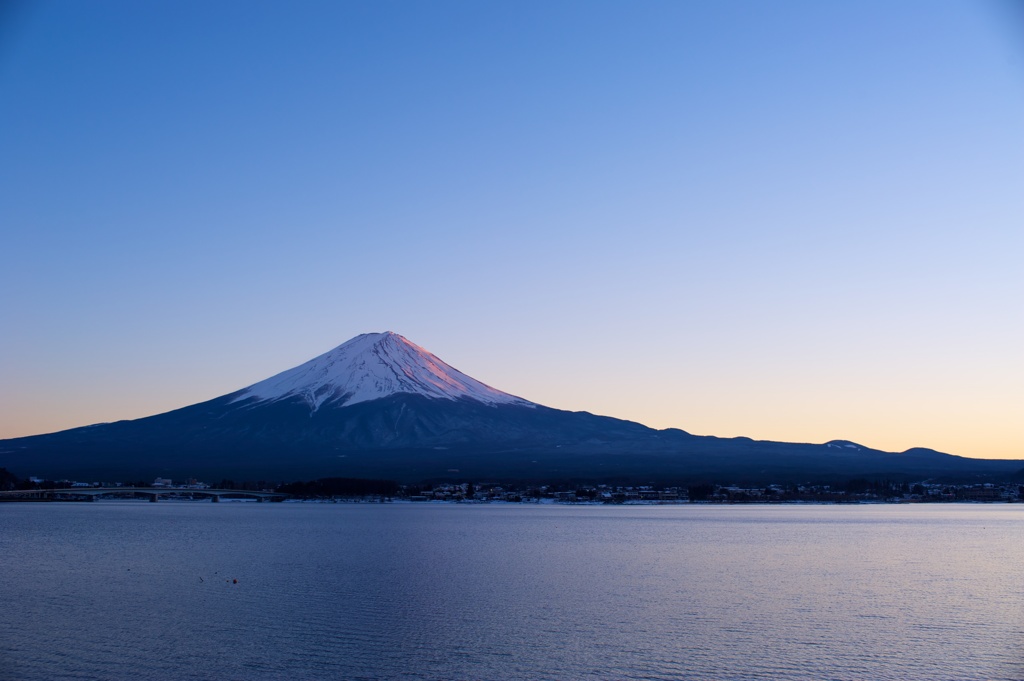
x=379 y=406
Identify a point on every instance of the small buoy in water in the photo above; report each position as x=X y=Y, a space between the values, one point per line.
x=234 y=581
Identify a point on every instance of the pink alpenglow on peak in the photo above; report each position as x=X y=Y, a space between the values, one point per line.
x=372 y=366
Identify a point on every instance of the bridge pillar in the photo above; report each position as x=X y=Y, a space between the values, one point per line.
x=152 y=498
x=260 y=500
x=215 y=498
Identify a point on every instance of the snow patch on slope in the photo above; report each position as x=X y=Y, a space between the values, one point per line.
x=843 y=444
x=372 y=366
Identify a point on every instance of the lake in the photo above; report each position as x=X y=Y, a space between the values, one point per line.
x=191 y=590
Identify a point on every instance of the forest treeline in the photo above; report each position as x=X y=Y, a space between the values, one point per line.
x=340 y=487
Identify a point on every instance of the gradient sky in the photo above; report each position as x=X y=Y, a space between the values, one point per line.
x=795 y=221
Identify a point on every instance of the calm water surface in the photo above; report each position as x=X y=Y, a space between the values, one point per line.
x=128 y=590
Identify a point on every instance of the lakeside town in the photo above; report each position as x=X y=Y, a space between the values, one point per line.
x=355 y=489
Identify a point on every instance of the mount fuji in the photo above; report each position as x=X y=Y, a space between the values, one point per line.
x=381 y=406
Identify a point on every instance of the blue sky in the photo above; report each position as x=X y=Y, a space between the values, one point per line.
x=795 y=221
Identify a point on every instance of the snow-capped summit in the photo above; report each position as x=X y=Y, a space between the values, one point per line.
x=369 y=367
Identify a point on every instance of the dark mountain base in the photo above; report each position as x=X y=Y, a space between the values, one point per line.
x=412 y=438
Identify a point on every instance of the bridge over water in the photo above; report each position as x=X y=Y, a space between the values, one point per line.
x=154 y=493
